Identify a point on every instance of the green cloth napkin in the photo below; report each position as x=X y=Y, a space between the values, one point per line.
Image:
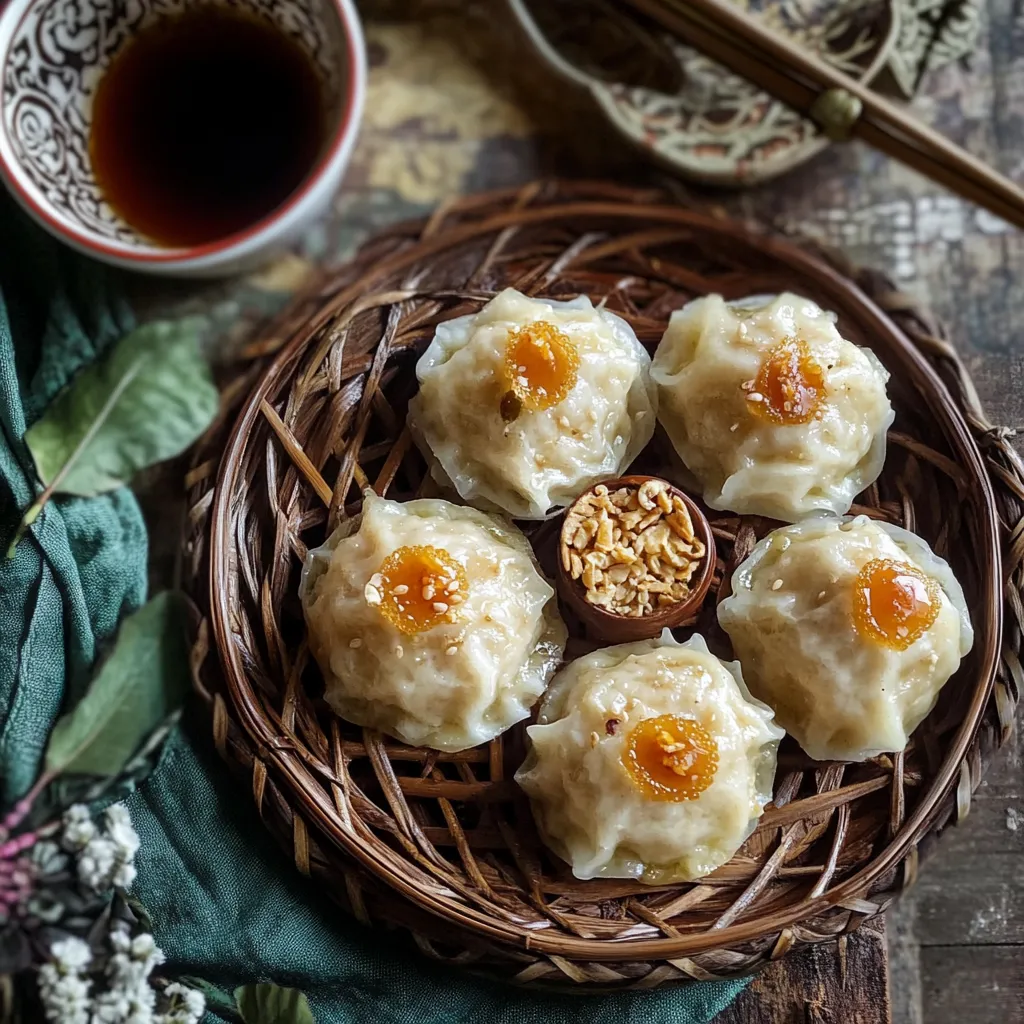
x=226 y=904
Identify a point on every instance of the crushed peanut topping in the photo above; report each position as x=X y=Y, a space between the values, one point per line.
x=408 y=584
x=541 y=367
x=671 y=757
x=634 y=550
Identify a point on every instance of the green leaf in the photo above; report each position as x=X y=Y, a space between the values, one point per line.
x=142 y=681
x=269 y=1004
x=148 y=400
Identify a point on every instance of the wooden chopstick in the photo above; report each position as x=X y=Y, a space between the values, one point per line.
x=799 y=79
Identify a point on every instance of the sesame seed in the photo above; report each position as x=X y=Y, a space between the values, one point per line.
x=400 y=590
x=777 y=585
x=428 y=592
x=440 y=607
x=355 y=642
x=451 y=650
x=563 y=422
x=735 y=426
x=821 y=596
x=452 y=587
x=594 y=739
x=399 y=651
x=755 y=396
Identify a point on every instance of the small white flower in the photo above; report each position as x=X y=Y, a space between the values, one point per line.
x=65 y=999
x=120 y=940
x=48 y=976
x=125 y=1006
x=71 y=954
x=129 y=998
x=97 y=863
x=105 y=859
x=124 y=875
x=187 y=1005
x=79 y=828
x=121 y=833
x=110 y=1008
x=62 y=989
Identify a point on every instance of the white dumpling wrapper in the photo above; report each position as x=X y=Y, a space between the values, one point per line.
x=543 y=459
x=743 y=462
x=841 y=695
x=588 y=809
x=508 y=637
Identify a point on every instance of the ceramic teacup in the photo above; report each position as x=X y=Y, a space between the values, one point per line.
x=53 y=54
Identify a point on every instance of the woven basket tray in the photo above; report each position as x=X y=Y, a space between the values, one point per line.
x=443 y=845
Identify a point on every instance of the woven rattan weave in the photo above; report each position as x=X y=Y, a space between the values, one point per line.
x=443 y=845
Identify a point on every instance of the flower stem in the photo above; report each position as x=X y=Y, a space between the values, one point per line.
x=17 y=814
x=17 y=845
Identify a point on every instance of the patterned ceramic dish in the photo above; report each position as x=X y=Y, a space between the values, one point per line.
x=684 y=109
x=52 y=56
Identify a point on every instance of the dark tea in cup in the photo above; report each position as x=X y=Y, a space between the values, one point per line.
x=205 y=123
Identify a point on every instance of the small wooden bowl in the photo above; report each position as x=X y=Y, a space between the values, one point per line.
x=610 y=627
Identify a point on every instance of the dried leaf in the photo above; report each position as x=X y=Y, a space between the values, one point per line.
x=137 y=687
x=145 y=402
x=270 y=1004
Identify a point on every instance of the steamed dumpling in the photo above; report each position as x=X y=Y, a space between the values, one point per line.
x=769 y=407
x=528 y=402
x=848 y=629
x=431 y=622
x=650 y=761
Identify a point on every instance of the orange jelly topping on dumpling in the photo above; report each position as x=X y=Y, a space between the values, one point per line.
x=790 y=386
x=420 y=587
x=541 y=365
x=894 y=603
x=671 y=757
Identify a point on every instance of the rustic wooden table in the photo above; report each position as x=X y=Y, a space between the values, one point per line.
x=457 y=102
